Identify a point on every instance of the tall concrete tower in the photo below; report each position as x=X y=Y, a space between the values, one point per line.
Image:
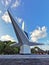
x=22 y=38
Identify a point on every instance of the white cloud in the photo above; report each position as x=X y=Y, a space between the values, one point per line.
x=38 y=34
x=6 y=2
x=7 y=38
x=47 y=41
x=19 y=20
x=16 y=3
x=0 y=11
x=6 y=17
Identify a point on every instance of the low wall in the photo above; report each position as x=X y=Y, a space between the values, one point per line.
x=24 y=60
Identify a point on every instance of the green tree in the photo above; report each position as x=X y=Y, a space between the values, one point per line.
x=5 y=48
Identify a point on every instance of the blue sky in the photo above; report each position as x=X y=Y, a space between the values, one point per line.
x=34 y=14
